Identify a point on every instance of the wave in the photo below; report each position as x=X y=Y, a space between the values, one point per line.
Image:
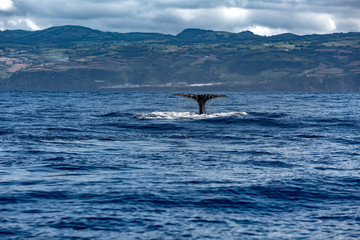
x=186 y=115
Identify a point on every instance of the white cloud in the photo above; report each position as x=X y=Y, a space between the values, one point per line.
x=319 y=22
x=234 y=14
x=263 y=31
x=6 y=5
x=20 y=23
x=32 y=25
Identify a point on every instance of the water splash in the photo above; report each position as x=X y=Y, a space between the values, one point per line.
x=186 y=115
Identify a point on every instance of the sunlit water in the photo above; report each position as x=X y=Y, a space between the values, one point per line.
x=132 y=165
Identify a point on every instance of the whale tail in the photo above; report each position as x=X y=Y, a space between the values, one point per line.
x=200 y=98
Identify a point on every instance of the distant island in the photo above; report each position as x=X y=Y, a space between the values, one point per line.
x=79 y=58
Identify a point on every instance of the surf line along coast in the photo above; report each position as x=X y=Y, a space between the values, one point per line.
x=200 y=98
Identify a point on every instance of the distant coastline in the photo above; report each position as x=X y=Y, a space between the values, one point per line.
x=79 y=58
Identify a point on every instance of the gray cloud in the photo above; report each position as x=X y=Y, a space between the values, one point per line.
x=172 y=16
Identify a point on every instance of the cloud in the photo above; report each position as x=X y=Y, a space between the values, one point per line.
x=265 y=17
x=6 y=5
x=19 y=23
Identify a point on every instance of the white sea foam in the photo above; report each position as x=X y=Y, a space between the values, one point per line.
x=186 y=115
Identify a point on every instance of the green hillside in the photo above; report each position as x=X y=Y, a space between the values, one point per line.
x=79 y=58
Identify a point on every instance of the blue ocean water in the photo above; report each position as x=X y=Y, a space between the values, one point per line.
x=144 y=165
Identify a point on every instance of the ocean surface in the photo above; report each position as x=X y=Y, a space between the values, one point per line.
x=144 y=165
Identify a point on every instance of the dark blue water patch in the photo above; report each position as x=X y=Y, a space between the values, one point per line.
x=15 y=199
x=67 y=167
x=340 y=217
x=269 y=163
x=194 y=182
x=329 y=168
x=163 y=127
x=12 y=233
x=32 y=211
x=55 y=195
x=23 y=183
x=8 y=200
x=268 y=115
x=69 y=223
x=146 y=126
x=62 y=129
x=340 y=122
x=309 y=136
x=115 y=115
x=156 y=201
x=305 y=193
x=132 y=198
x=5 y=132
x=224 y=203
x=353 y=181
x=287 y=195
x=347 y=140
x=44 y=137
x=277 y=122
x=8 y=233
x=258 y=152
x=56 y=158
x=104 y=223
x=206 y=221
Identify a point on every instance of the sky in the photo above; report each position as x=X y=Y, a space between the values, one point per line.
x=263 y=17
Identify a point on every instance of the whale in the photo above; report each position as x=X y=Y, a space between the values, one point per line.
x=200 y=98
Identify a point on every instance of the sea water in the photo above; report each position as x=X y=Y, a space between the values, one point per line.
x=145 y=165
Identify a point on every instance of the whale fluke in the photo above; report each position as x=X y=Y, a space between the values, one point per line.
x=200 y=98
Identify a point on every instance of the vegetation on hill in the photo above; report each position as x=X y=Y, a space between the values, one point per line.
x=79 y=58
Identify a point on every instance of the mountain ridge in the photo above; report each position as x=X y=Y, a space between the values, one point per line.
x=75 y=32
